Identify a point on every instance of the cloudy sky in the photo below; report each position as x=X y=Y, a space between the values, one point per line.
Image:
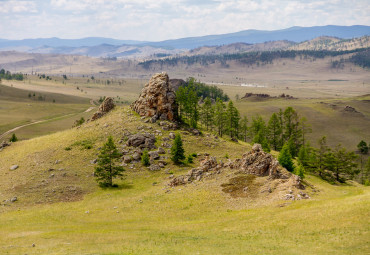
x=155 y=20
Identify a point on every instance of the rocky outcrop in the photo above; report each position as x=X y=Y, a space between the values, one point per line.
x=104 y=108
x=4 y=144
x=143 y=141
x=157 y=99
x=177 y=83
x=260 y=163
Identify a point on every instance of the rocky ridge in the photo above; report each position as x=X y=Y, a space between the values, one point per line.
x=104 y=108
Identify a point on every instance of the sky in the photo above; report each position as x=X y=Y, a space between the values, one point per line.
x=156 y=20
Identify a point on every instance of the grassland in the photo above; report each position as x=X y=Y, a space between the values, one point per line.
x=144 y=216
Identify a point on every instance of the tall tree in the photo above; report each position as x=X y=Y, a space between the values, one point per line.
x=319 y=156
x=106 y=169
x=232 y=119
x=274 y=131
x=177 y=150
x=340 y=161
x=244 y=128
x=285 y=159
x=363 y=149
x=207 y=113
x=220 y=116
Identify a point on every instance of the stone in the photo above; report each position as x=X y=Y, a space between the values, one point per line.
x=13 y=167
x=142 y=141
x=161 y=150
x=57 y=161
x=154 y=167
x=13 y=199
x=157 y=99
x=136 y=156
x=104 y=108
x=154 y=155
x=4 y=144
x=93 y=161
x=127 y=159
x=172 y=135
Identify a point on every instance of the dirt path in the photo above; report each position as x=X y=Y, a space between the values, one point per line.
x=44 y=120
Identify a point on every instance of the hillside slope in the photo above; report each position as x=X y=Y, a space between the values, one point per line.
x=144 y=215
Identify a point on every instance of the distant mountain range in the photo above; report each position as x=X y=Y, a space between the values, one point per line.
x=107 y=47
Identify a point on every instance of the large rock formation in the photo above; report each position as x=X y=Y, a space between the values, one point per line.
x=157 y=99
x=105 y=107
x=260 y=163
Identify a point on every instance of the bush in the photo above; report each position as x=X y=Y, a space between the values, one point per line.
x=13 y=139
x=190 y=159
x=145 y=158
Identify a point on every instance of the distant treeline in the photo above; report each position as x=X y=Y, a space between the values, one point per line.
x=203 y=91
x=10 y=76
x=263 y=57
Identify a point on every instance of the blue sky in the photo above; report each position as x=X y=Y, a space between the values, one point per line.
x=155 y=20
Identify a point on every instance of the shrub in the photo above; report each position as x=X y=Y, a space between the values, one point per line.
x=145 y=158
x=285 y=158
x=177 y=150
x=190 y=159
x=13 y=139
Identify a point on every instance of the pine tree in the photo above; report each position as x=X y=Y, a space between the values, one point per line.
x=106 y=169
x=363 y=149
x=177 y=150
x=13 y=139
x=244 y=128
x=261 y=139
x=285 y=159
x=220 y=116
x=319 y=157
x=274 y=131
x=207 y=113
x=232 y=119
x=341 y=162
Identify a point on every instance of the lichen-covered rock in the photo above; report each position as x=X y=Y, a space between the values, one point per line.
x=260 y=163
x=157 y=99
x=143 y=141
x=104 y=108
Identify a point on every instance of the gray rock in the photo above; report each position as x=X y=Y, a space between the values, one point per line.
x=13 y=199
x=93 y=161
x=154 y=155
x=172 y=135
x=136 y=156
x=127 y=159
x=161 y=150
x=57 y=161
x=154 y=167
x=13 y=167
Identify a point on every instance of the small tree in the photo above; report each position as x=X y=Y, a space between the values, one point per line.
x=145 y=158
x=285 y=159
x=177 y=150
x=13 y=139
x=106 y=169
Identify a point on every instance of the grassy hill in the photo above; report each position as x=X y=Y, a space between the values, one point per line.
x=64 y=211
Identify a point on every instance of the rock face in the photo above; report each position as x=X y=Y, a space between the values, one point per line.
x=157 y=99
x=105 y=107
x=260 y=163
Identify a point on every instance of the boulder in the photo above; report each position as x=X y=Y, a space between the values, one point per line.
x=136 y=156
x=154 y=167
x=143 y=141
x=161 y=150
x=154 y=155
x=104 y=108
x=127 y=159
x=157 y=99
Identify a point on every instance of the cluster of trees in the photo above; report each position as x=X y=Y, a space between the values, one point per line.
x=43 y=76
x=10 y=76
x=251 y=58
x=361 y=58
x=203 y=91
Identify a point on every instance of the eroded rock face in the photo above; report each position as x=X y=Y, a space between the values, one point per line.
x=143 y=141
x=157 y=99
x=260 y=163
x=104 y=108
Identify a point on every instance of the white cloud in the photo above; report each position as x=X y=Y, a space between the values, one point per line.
x=17 y=6
x=165 y=19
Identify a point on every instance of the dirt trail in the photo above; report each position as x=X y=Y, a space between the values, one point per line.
x=44 y=120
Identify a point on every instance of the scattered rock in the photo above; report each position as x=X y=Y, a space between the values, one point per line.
x=154 y=167
x=154 y=155
x=13 y=199
x=13 y=167
x=157 y=99
x=172 y=135
x=57 y=161
x=93 y=161
x=127 y=159
x=136 y=156
x=4 y=144
x=104 y=108
x=161 y=150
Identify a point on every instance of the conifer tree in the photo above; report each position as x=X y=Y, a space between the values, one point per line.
x=107 y=169
x=207 y=113
x=13 y=139
x=244 y=128
x=363 y=149
x=145 y=158
x=220 y=116
x=274 y=131
x=340 y=161
x=177 y=150
x=285 y=159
